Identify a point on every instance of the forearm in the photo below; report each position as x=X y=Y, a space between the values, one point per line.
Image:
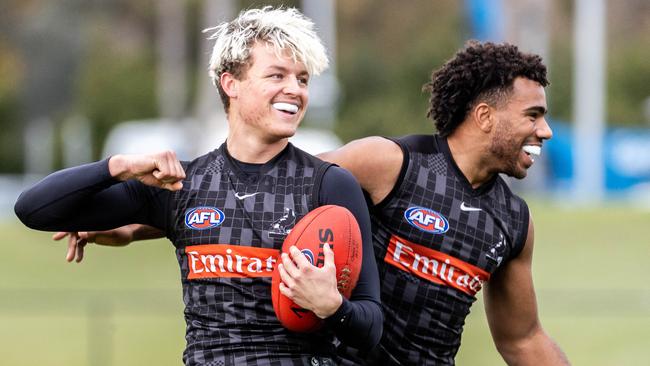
x=49 y=202
x=145 y=232
x=538 y=349
x=84 y=198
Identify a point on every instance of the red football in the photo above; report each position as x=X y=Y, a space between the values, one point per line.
x=326 y=224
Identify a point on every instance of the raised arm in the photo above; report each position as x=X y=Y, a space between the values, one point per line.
x=100 y=195
x=374 y=161
x=511 y=309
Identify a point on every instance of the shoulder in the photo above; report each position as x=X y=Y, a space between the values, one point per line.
x=213 y=160
x=339 y=178
x=375 y=162
x=374 y=149
x=425 y=144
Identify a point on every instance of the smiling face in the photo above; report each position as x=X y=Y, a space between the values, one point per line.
x=520 y=129
x=271 y=98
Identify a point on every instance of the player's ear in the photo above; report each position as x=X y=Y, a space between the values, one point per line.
x=483 y=116
x=229 y=84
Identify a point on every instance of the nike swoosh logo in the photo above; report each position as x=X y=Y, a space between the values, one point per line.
x=242 y=196
x=463 y=207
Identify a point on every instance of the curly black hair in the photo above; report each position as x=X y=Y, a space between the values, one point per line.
x=480 y=71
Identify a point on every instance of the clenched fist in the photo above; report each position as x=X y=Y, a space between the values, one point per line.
x=161 y=169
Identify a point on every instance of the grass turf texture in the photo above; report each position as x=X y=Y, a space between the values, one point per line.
x=124 y=307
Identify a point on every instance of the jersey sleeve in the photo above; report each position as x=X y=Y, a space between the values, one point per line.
x=359 y=320
x=87 y=198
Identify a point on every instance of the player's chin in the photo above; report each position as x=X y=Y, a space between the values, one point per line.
x=517 y=171
x=520 y=172
x=286 y=130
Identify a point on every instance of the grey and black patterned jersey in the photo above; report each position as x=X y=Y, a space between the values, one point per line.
x=227 y=228
x=227 y=224
x=436 y=241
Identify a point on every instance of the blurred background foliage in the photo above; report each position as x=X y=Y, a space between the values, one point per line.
x=97 y=59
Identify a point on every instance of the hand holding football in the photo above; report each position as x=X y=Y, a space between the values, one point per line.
x=331 y=225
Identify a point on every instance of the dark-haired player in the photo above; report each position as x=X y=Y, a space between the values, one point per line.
x=445 y=224
x=227 y=212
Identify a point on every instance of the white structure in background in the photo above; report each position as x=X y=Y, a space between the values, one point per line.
x=148 y=136
x=589 y=96
x=76 y=135
x=171 y=68
x=38 y=146
x=324 y=88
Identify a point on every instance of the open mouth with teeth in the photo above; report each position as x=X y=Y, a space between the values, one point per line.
x=532 y=150
x=286 y=107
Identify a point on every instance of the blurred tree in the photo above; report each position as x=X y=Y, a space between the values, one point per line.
x=10 y=74
x=387 y=50
x=116 y=82
x=628 y=68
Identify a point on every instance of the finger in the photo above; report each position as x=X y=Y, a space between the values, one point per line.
x=180 y=172
x=175 y=186
x=329 y=255
x=286 y=278
x=174 y=166
x=298 y=257
x=166 y=167
x=289 y=266
x=81 y=245
x=60 y=235
x=286 y=291
x=72 y=247
x=177 y=174
x=161 y=166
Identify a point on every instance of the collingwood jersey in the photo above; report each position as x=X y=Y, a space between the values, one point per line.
x=228 y=223
x=228 y=228
x=437 y=240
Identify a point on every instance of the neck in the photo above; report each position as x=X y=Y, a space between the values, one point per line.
x=249 y=147
x=471 y=157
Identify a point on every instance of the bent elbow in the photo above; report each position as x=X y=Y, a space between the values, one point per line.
x=22 y=211
x=25 y=212
x=375 y=337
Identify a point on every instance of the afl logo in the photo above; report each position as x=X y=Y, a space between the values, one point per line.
x=202 y=218
x=308 y=253
x=427 y=220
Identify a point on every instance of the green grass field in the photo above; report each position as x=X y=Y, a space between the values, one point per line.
x=123 y=306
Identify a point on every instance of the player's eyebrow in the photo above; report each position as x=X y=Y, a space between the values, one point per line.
x=283 y=69
x=536 y=110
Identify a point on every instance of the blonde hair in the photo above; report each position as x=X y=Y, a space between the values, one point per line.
x=285 y=30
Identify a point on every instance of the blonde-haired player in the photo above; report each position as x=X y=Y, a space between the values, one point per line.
x=219 y=210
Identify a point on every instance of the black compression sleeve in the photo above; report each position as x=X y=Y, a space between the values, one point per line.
x=359 y=321
x=87 y=198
